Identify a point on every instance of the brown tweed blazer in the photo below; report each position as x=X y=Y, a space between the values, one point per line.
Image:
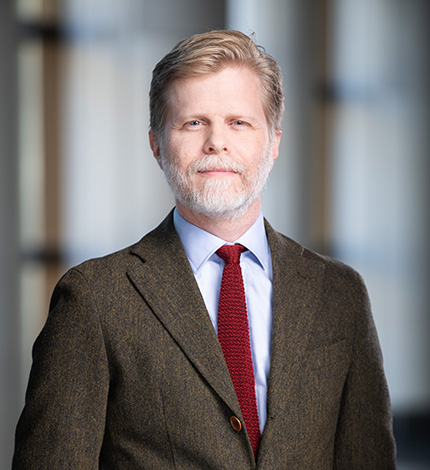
x=128 y=373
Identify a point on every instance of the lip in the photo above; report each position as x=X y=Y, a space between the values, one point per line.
x=218 y=172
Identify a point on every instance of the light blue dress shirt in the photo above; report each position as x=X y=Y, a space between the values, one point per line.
x=256 y=263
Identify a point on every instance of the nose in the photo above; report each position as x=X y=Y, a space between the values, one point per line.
x=216 y=140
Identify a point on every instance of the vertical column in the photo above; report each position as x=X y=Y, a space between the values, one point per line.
x=9 y=255
x=381 y=190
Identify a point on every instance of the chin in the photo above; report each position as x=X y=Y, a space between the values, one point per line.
x=219 y=208
x=216 y=198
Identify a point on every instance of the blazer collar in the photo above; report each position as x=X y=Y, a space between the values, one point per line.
x=162 y=274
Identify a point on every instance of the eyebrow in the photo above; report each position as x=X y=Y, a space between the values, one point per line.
x=204 y=117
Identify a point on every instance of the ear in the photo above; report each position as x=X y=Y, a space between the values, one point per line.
x=155 y=146
x=275 y=144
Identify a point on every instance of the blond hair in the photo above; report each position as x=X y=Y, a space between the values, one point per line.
x=210 y=52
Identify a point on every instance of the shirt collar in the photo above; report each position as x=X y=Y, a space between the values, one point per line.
x=200 y=245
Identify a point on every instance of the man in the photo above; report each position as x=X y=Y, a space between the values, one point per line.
x=214 y=342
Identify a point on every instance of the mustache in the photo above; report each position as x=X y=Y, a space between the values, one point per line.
x=216 y=162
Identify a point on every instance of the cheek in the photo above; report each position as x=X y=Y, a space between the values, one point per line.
x=184 y=151
x=256 y=155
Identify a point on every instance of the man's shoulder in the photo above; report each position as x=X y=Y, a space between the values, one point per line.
x=286 y=250
x=160 y=240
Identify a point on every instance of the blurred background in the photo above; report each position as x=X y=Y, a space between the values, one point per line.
x=77 y=178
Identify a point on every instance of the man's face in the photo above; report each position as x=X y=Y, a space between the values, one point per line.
x=216 y=149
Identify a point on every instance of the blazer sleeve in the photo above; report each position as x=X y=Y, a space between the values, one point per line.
x=62 y=424
x=364 y=437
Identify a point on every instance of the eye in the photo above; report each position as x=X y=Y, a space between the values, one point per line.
x=240 y=123
x=194 y=123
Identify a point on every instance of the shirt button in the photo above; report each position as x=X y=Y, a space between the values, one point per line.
x=235 y=423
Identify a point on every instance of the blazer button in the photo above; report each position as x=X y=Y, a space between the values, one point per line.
x=235 y=423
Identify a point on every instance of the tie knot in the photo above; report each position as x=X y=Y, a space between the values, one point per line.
x=231 y=253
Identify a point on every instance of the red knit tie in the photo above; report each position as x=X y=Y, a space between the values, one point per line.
x=233 y=335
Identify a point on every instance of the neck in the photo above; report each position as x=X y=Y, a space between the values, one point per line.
x=227 y=229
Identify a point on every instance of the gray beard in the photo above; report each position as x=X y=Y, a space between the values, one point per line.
x=214 y=198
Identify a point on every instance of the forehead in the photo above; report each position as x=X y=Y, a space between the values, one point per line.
x=230 y=88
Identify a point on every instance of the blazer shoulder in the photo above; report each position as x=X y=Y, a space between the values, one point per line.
x=285 y=250
x=107 y=266
x=160 y=243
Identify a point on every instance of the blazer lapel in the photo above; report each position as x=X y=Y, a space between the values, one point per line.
x=296 y=289
x=162 y=274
